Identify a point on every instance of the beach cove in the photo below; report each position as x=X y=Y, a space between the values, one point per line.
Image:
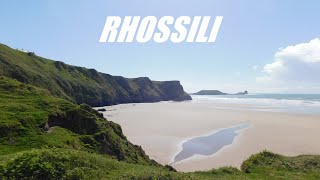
x=161 y=128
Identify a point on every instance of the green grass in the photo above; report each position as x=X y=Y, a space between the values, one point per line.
x=23 y=109
x=268 y=164
x=73 y=164
x=26 y=110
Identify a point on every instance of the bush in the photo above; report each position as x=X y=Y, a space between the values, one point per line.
x=46 y=164
x=264 y=158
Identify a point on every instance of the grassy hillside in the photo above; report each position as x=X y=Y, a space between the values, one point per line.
x=32 y=118
x=82 y=85
x=73 y=164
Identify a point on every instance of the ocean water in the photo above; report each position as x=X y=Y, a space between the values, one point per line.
x=292 y=103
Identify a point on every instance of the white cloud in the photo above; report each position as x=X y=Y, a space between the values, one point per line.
x=297 y=64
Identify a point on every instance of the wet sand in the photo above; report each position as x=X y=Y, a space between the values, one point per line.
x=160 y=128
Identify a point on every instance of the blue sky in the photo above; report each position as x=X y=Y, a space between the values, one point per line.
x=249 y=38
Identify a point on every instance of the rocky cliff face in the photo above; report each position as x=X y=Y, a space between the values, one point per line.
x=82 y=85
x=173 y=90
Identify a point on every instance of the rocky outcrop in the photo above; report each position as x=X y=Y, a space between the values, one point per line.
x=242 y=93
x=173 y=90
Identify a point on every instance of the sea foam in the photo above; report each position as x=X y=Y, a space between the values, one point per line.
x=309 y=104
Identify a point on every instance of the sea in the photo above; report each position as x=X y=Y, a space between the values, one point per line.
x=292 y=103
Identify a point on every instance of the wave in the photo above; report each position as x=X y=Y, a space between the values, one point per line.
x=298 y=104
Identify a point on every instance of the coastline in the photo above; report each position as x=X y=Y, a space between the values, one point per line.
x=161 y=128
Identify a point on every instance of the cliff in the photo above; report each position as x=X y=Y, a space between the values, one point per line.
x=30 y=117
x=82 y=85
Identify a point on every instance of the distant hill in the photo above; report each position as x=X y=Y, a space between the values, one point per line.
x=217 y=92
x=209 y=92
x=82 y=85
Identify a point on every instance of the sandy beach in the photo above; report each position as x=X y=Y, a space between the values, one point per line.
x=160 y=128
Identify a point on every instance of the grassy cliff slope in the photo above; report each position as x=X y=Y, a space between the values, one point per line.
x=82 y=85
x=32 y=118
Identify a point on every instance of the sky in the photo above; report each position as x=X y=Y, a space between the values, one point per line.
x=266 y=46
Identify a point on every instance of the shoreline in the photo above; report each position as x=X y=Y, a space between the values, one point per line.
x=161 y=128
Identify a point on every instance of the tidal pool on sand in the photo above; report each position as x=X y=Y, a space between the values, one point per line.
x=208 y=144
